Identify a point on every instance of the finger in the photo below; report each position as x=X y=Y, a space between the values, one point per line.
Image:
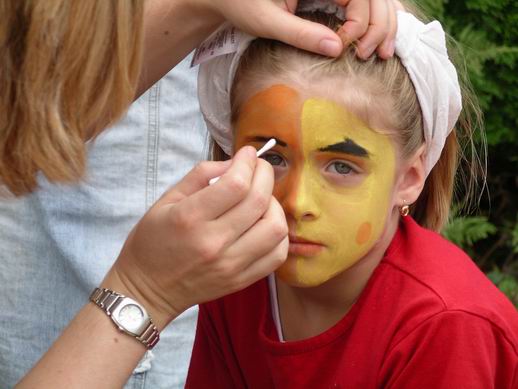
x=386 y=49
x=245 y=214
x=378 y=29
x=295 y=31
x=264 y=266
x=195 y=180
x=398 y=6
x=357 y=21
x=262 y=238
x=291 y=5
x=233 y=186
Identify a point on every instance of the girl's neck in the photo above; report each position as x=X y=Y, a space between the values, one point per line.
x=321 y=307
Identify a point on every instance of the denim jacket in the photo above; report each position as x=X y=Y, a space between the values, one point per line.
x=58 y=243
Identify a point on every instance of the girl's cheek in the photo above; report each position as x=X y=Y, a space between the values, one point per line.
x=363 y=233
x=279 y=189
x=285 y=190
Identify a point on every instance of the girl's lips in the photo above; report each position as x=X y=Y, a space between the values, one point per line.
x=304 y=248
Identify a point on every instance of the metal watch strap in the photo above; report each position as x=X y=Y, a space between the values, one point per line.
x=108 y=300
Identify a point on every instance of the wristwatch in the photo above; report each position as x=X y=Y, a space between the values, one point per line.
x=128 y=315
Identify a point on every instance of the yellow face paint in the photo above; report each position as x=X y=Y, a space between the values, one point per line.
x=334 y=176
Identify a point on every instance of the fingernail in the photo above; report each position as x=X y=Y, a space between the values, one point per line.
x=330 y=47
x=344 y=36
x=250 y=151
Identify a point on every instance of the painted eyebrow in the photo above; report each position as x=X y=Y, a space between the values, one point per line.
x=348 y=146
x=265 y=139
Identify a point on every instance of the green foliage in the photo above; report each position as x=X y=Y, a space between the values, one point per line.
x=464 y=231
x=487 y=36
x=487 y=32
x=506 y=283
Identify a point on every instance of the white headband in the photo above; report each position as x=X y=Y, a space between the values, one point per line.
x=421 y=48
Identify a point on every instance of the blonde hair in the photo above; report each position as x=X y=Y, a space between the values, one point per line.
x=374 y=84
x=68 y=68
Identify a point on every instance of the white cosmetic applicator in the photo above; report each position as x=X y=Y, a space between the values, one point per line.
x=268 y=145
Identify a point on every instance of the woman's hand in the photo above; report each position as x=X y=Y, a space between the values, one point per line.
x=200 y=242
x=175 y=28
x=371 y=22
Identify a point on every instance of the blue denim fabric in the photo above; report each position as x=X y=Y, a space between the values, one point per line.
x=58 y=243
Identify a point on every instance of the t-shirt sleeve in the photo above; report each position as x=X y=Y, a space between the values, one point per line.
x=211 y=366
x=453 y=349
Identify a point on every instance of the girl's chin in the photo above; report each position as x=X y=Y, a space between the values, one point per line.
x=289 y=274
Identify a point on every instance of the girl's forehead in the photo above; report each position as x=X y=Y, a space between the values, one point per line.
x=309 y=122
x=284 y=103
x=289 y=96
x=279 y=97
x=289 y=93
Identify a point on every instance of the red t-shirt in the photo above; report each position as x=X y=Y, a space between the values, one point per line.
x=427 y=318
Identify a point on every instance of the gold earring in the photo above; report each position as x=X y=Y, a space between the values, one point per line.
x=404 y=210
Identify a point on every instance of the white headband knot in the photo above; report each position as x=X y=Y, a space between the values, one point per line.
x=420 y=47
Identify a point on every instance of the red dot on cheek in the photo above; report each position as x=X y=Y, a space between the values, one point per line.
x=364 y=233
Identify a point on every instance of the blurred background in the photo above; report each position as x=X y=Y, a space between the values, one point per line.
x=487 y=36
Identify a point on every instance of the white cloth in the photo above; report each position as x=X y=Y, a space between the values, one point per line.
x=215 y=79
x=421 y=48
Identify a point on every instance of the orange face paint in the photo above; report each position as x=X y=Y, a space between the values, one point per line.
x=364 y=233
x=333 y=178
x=273 y=113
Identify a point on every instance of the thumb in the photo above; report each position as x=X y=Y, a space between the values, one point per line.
x=279 y=24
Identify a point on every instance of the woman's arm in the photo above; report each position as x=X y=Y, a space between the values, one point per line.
x=197 y=243
x=173 y=28
x=90 y=353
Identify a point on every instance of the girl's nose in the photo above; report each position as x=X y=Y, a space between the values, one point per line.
x=300 y=203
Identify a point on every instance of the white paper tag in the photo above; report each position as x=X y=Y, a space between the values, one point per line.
x=224 y=40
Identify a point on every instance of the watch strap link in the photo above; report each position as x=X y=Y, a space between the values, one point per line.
x=108 y=300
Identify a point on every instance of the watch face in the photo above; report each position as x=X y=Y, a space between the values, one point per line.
x=130 y=316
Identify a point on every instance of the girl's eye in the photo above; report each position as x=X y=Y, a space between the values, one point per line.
x=274 y=159
x=340 y=167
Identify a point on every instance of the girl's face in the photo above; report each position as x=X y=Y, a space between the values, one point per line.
x=333 y=176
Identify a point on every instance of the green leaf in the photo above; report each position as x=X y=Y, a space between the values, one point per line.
x=509 y=285
x=506 y=283
x=495 y=275
x=464 y=231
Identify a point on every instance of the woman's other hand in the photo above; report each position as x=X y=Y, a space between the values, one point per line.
x=371 y=22
x=200 y=242
x=174 y=28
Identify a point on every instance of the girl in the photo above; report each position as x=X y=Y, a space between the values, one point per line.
x=370 y=295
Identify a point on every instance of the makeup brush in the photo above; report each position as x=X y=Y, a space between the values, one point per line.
x=267 y=146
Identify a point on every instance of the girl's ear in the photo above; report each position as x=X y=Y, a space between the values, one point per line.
x=411 y=178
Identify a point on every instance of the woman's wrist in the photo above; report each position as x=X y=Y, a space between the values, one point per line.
x=91 y=352
x=207 y=12
x=172 y=30
x=161 y=314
